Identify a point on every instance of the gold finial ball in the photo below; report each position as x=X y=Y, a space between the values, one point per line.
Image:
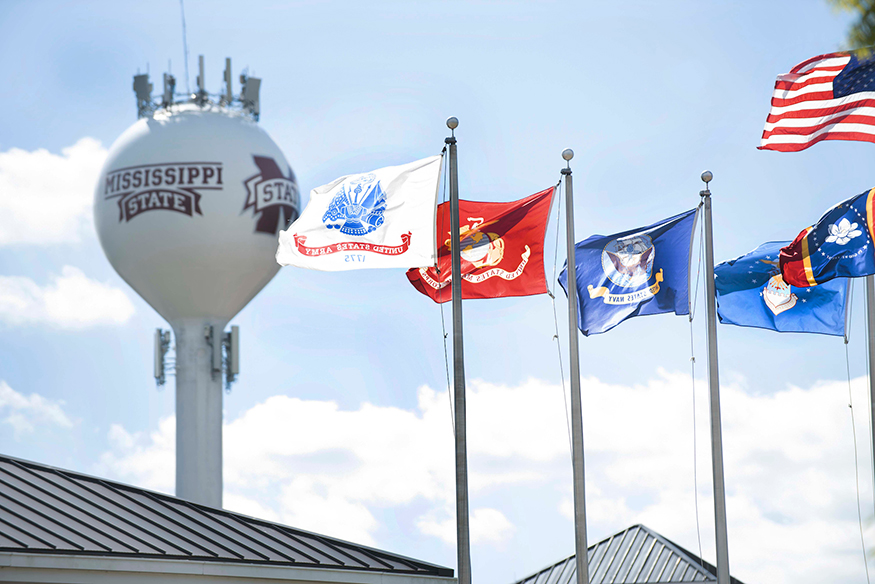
x=453 y=123
x=707 y=176
x=567 y=154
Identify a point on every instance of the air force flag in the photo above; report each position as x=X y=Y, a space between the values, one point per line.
x=380 y=219
x=752 y=292
x=634 y=273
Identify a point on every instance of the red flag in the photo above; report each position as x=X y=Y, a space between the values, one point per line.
x=502 y=247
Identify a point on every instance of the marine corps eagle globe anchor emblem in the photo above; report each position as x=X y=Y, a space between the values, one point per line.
x=484 y=251
x=478 y=247
x=358 y=208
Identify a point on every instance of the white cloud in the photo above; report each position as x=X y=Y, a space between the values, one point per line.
x=485 y=526
x=70 y=301
x=46 y=198
x=145 y=459
x=788 y=459
x=25 y=413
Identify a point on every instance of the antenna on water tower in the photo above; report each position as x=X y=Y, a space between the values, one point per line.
x=187 y=209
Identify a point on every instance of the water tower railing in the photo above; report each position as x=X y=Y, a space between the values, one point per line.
x=246 y=103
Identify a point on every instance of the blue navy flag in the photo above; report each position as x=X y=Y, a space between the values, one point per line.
x=634 y=273
x=752 y=292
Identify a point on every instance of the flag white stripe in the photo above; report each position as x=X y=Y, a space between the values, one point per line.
x=816 y=121
x=816 y=104
x=797 y=78
x=813 y=88
x=802 y=138
x=827 y=62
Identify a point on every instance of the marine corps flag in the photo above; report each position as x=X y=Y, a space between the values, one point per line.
x=502 y=248
x=379 y=219
x=839 y=245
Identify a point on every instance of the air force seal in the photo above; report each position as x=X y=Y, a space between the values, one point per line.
x=358 y=208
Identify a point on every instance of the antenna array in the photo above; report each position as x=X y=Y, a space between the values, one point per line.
x=246 y=103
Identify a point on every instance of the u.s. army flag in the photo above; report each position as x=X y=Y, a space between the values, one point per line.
x=379 y=219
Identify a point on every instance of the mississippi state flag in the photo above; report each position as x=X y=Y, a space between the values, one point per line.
x=838 y=245
x=379 y=219
x=502 y=249
x=830 y=97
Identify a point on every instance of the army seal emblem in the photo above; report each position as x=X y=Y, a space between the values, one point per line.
x=359 y=206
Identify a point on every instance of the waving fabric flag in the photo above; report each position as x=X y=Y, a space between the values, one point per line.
x=830 y=97
x=634 y=273
x=751 y=292
x=380 y=219
x=502 y=249
x=839 y=245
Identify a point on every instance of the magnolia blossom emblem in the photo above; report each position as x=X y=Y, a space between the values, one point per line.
x=842 y=232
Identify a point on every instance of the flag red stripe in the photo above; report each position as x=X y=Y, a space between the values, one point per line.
x=849 y=118
x=793 y=85
x=823 y=57
x=854 y=136
x=820 y=112
x=814 y=95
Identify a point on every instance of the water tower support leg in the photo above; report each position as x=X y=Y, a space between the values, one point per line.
x=198 y=414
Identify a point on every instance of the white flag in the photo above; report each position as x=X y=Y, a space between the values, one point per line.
x=380 y=219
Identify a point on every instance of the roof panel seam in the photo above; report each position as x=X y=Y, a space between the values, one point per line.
x=106 y=510
x=175 y=522
x=71 y=518
x=25 y=519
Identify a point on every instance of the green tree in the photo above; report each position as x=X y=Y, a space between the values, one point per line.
x=862 y=31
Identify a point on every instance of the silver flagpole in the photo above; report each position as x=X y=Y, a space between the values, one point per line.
x=576 y=419
x=870 y=345
x=463 y=540
x=714 y=387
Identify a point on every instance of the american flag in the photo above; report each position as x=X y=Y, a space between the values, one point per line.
x=830 y=97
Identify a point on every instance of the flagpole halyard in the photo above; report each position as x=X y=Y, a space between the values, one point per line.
x=580 y=546
x=463 y=542
x=714 y=389
x=870 y=355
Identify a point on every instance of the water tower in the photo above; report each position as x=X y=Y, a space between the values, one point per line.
x=187 y=208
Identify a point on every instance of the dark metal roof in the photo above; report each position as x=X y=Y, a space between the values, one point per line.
x=54 y=511
x=636 y=554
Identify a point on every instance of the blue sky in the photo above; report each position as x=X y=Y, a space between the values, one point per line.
x=648 y=94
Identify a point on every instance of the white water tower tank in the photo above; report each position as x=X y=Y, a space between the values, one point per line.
x=187 y=208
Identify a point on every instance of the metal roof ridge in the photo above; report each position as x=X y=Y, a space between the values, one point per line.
x=170 y=502
x=700 y=565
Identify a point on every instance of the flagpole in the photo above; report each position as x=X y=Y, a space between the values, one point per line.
x=714 y=388
x=576 y=416
x=463 y=542
x=870 y=346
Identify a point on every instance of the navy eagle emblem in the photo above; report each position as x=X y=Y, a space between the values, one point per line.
x=628 y=262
